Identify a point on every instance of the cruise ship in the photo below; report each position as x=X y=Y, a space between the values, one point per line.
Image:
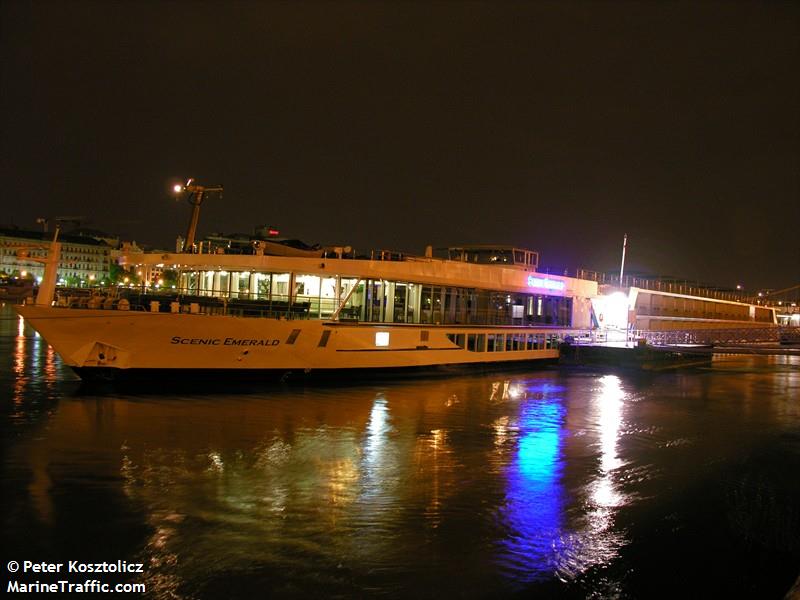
x=278 y=310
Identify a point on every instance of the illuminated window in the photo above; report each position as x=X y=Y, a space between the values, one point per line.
x=381 y=338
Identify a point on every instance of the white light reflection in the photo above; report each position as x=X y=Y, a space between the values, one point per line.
x=273 y=456
x=377 y=428
x=380 y=483
x=609 y=403
x=501 y=431
x=215 y=462
x=600 y=542
x=20 y=381
x=434 y=458
x=377 y=461
x=142 y=476
x=515 y=391
x=438 y=439
x=502 y=391
x=342 y=478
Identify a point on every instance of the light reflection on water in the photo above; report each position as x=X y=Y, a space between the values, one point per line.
x=542 y=541
x=32 y=372
x=566 y=483
x=534 y=494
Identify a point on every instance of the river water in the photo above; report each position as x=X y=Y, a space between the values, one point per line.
x=547 y=482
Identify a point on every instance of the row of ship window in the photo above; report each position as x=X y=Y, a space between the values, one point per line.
x=504 y=342
x=473 y=342
x=377 y=300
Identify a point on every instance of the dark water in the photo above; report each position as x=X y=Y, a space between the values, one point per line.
x=544 y=483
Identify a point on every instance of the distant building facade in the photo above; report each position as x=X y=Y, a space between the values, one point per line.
x=84 y=260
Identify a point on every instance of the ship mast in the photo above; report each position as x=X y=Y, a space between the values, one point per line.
x=622 y=265
x=47 y=287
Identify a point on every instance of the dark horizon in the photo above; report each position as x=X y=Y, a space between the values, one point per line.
x=553 y=126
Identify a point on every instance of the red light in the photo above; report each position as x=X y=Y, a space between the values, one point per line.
x=272 y=232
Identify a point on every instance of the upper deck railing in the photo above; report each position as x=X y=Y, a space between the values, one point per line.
x=670 y=285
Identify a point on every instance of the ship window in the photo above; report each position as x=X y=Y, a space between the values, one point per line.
x=317 y=292
x=399 y=314
x=260 y=286
x=280 y=286
x=243 y=284
x=375 y=307
x=495 y=342
x=352 y=309
x=490 y=256
x=424 y=335
x=323 y=341
x=381 y=338
x=459 y=339
x=293 y=336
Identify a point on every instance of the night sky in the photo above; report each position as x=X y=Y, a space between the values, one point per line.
x=554 y=126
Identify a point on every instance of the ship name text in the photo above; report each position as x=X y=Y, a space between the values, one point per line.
x=228 y=341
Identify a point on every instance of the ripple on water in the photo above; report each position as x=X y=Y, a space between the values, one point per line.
x=677 y=443
x=634 y=475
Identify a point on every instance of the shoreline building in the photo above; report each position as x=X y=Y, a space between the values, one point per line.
x=85 y=259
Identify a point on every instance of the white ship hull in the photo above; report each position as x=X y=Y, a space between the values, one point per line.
x=123 y=343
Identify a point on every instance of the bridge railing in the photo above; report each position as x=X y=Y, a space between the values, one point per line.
x=742 y=335
x=672 y=286
x=718 y=337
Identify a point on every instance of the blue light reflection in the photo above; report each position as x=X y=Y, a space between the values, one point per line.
x=546 y=535
x=533 y=510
